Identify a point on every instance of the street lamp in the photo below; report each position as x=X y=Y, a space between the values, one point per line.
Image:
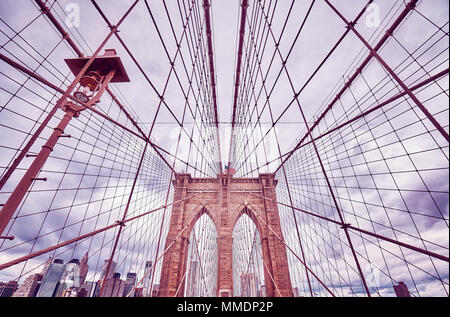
x=90 y=86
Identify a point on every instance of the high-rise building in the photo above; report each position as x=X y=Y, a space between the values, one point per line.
x=148 y=278
x=82 y=293
x=51 y=280
x=29 y=287
x=46 y=266
x=70 y=278
x=401 y=290
x=114 y=286
x=89 y=288
x=155 y=291
x=69 y=292
x=84 y=268
x=32 y=284
x=8 y=289
x=249 y=285
x=263 y=291
x=111 y=270
x=139 y=292
x=129 y=284
x=192 y=282
x=96 y=290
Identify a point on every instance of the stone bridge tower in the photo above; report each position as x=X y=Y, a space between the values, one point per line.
x=225 y=199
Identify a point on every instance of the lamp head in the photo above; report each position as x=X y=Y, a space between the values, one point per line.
x=81 y=96
x=91 y=80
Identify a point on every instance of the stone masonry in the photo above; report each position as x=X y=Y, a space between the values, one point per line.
x=225 y=199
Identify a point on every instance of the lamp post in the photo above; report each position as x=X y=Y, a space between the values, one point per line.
x=90 y=87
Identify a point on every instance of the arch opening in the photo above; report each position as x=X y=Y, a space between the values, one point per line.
x=200 y=276
x=248 y=265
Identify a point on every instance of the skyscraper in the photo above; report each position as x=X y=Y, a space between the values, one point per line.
x=111 y=270
x=46 y=266
x=401 y=290
x=148 y=279
x=84 y=268
x=129 y=284
x=29 y=287
x=70 y=278
x=114 y=286
x=263 y=291
x=82 y=293
x=192 y=283
x=8 y=289
x=69 y=292
x=33 y=283
x=139 y=292
x=96 y=289
x=249 y=285
x=51 y=280
x=155 y=291
x=87 y=289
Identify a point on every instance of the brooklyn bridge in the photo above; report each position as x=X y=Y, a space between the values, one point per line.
x=208 y=148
